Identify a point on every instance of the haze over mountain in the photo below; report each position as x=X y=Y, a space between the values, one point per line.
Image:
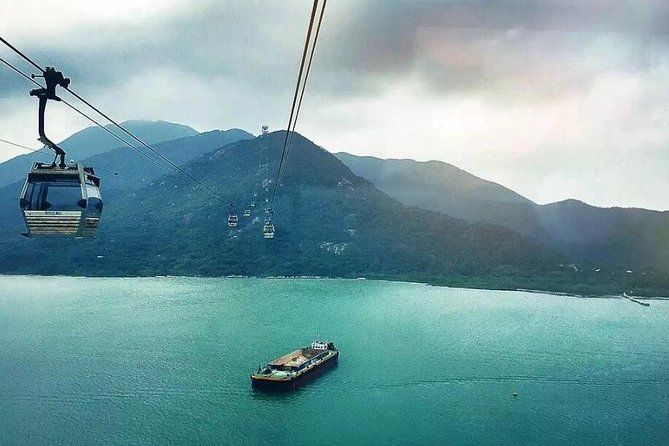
x=616 y=237
x=132 y=169
x=442 y=187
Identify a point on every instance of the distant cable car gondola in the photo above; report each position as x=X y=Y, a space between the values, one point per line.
x=268 y=228
x=232 y=218
x=59 y=199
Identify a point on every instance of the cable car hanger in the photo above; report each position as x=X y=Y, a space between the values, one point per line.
x=53 y=79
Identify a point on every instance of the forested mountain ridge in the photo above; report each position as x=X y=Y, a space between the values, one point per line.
x=620 y=239
x=330 y=222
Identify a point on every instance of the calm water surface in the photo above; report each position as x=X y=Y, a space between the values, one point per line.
x=167 y=361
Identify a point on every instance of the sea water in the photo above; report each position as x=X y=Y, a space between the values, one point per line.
x=143 y=361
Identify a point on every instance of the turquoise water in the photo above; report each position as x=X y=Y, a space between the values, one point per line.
x=167 y=361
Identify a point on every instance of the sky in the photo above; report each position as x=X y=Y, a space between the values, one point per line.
x=553 y=99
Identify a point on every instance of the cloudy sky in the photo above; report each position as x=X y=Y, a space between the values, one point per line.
x=553 y=98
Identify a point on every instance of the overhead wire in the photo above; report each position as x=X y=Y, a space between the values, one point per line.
x=295 y=96
x=17 y=51
x=43 y=150
x=176 y=167
x=154 y=151
x=107 y=130
x=21 y=73
x=20 y=145
x=299 y=90
x=82 y=113
x=47 y=151
x=30 y=79
x=292 y=121
x=306 y=78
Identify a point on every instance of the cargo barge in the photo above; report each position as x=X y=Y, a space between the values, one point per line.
x=297 y=367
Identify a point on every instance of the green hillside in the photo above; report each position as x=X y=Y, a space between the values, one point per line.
x=330 y=222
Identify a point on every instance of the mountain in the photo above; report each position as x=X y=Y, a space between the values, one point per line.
x=92 y=141
x=614 y=238
x=442 y=187
x=329 y=221
x=622 y=238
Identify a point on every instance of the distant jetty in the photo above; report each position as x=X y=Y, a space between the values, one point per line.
x=552 y=293
x=636 y=301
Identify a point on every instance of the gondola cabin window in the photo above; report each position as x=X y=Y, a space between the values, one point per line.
x=55 y=195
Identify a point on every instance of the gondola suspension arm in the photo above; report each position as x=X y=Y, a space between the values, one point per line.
x=53 y=79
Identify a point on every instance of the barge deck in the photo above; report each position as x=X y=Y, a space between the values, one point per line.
x=293 y=369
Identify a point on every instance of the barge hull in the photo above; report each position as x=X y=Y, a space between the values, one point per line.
x=292 y=384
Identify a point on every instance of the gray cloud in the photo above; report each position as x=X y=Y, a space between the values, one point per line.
x=450 y=45
x=485 y=45
x=246 y=40
x=488 y=66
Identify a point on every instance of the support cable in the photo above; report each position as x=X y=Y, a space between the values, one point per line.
x=306 y=78
x=176 y=167
x=44 y=150
x=295 y=96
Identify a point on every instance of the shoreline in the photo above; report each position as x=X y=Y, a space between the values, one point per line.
x=581 y=296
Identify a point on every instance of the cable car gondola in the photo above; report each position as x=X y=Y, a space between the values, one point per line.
x=59 y=199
